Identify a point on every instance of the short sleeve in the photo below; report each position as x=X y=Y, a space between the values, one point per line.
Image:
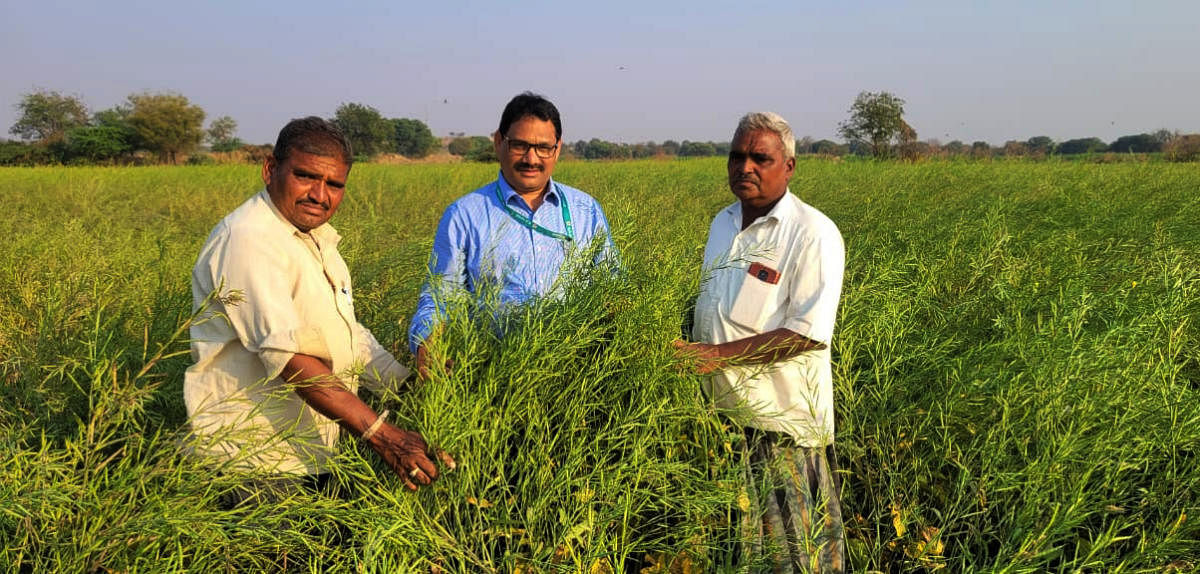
x=816 y=287
x=381 y=369
x=264 y=318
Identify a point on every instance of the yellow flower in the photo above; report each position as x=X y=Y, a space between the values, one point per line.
x=744 y=501
x=898 y=522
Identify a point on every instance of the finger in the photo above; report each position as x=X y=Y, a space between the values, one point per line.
x=447 y=460
x=409 y=484
x=419 y=475
x=678 y=343
x=425 y=466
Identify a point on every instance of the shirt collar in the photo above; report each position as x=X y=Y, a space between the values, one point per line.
x=551 y=197
x=323 y=234
x=788 y=207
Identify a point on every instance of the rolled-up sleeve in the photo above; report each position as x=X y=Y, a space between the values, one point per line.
x=381 y=370
x=816 y=288
x=265 y=319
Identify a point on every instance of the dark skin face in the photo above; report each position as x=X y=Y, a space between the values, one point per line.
x=306 y=188
x=759 y=170
x=528 y=174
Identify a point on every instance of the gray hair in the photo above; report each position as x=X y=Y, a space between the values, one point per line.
x=771 y=122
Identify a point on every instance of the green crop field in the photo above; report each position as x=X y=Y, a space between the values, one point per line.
x=1016 y=365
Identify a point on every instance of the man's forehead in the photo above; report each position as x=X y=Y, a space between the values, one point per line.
x=529 y=127
x=757 y=140
x=306 y=156
x=308 y=160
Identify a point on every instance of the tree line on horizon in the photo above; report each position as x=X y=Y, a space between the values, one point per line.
x=167 y=128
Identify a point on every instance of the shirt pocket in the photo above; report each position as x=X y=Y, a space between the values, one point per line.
x=753 y=303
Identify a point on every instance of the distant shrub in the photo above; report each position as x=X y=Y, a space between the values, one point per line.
x=459 y=146
x=20 y=153
x=201 y=159
x=1081 y=146
x=227 y=145
x=1182 y=148
x=257 y=153
x=697 y=149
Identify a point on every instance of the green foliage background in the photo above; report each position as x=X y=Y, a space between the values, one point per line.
x=1015 y=363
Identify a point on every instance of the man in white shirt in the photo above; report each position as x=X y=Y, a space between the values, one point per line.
x=763 y=325
x=279 y=355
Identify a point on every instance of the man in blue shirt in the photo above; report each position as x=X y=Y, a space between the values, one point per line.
x=513 y=235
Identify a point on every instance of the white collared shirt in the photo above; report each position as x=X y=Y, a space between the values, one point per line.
x=800 y=249
x=296 y=298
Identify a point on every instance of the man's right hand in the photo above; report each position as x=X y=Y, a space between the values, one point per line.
x=422 y=363
x=408 y=455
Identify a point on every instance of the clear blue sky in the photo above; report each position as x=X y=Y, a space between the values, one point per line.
x=629 y=71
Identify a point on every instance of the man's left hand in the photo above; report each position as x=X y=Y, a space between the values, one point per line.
x=703 y=356
x=407 y=453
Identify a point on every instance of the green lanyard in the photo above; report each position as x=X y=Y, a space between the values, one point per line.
x=523 y=220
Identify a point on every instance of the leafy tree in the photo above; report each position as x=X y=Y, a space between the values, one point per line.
x=46 y=116
x=669 y=147
x=222 y=134
x=955 y=147
x=696 y=149
x=644 y=150
x=22 y=153
x=1164 y=136
x=412 y=138
x=116 y=117
x=1081 y=145
x=1140 y=143
x=368 y=131
x=98 y=143
x=1040 y=145
x=1184 y=147
x=875 y=120
x=824 y=147
x=1014 y=148
x=167 y=124
x=981 y=150
x=596 y=148
x=474 y=148
x=804 y=145
x=459 y=146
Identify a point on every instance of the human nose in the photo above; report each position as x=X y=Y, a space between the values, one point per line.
x=530 y=152
x=318 y=191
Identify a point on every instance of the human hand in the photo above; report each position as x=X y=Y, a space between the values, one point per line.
x=704 y=357
x=422 y=363
x=408 y=455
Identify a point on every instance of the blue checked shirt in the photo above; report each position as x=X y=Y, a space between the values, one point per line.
x=478 y=241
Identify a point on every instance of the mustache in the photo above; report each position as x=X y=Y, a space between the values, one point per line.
x=527 y=165
x=322 y=205
x=741 y=178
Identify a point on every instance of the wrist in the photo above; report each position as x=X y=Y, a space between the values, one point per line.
x=374 y=427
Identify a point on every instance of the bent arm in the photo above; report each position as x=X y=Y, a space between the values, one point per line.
x=447 y=273
x=763 y=348
x=404 y=451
